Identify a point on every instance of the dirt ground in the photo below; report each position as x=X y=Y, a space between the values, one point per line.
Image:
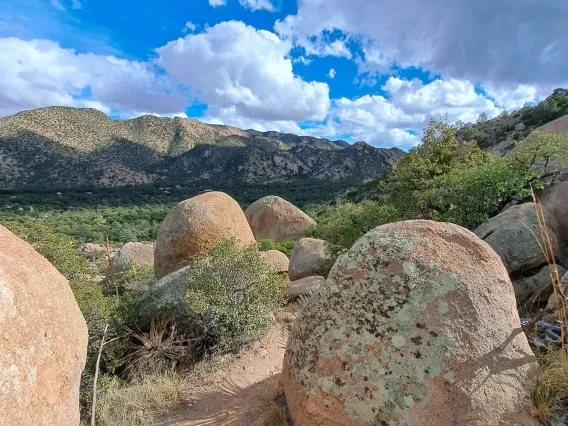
x=242 y=392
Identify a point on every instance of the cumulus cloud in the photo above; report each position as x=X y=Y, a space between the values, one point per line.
x=485 y=41
x=40 y=73
x=399 y=118
x=331 y=73
x=255 y=5
x=234 y=66
x=217 y=3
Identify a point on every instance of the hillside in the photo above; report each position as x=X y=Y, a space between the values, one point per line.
x=500 y=133
x=77 y=147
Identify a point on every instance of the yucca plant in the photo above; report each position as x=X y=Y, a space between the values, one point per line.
x=161 y=347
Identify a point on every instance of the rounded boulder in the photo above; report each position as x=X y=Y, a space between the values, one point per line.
x=194 y=226
x=43 y=336
x=513 y=235
x=276 y=260
x=415 y=325
x=307 y=258
x=275 y=218
x=137 y=254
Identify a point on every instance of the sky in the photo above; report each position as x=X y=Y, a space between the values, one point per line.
x=371 y=70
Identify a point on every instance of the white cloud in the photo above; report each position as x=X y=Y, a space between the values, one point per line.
x=189 y=27
x=76 y=4
x=255 y=5
x=217 y=3
x=234 y=66
x=486 y=41
x=399 y=118
x=302 y=60
x=331 y=73
x=39 y=73
x=511 y=98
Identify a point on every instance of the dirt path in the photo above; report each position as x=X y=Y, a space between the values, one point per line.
x=242 y=393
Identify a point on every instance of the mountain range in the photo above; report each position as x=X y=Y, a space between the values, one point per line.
x=63 y=147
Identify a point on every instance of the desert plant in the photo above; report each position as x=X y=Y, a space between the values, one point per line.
x=233 y=290
x=160 y=348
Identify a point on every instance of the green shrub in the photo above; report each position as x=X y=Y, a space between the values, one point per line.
x=233 y=291
x=285 y=246
x=448 y=179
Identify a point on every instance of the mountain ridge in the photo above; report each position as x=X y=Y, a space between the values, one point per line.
x=83 y=147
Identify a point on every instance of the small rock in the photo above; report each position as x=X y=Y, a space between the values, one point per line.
x=304 y=286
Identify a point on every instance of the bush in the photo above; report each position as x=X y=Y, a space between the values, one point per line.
x=285 y=246
x=233 y=291
x=448 y=179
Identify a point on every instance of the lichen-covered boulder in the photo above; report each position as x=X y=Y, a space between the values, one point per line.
x=194 y=226
x=307 y=258
x=275 y=218
x=536 y=288
x=137 y=254
x=513 y=235
x=43 y=339
x=303 y=286
x=415 y=325
x=276 y=260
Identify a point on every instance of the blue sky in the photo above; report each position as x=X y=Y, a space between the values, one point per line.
x=357 y=70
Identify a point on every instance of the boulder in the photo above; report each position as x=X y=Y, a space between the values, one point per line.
x=43 y=336
x=303 y=287
x=555 y=201
x=276 y=259
x=137 y=254
x=536 y=288
x=307 y=258
x=276 y=219
x=167 y=295
x=551 y=305
x=520 y=127
x=513 y=235
x=416 y=325
x=194 y=226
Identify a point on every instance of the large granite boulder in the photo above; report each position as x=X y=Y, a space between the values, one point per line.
x=307 y=258
x=275 y=218
x=43 y=339
x=136 y=254
x=513 y=234
x=194 y=226
x=415 y=325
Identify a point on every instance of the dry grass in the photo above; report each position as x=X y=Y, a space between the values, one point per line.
x=551 y=396
x=139 y=401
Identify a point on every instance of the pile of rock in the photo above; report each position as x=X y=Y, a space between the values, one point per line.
x=516 y=237
x=195 y=225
